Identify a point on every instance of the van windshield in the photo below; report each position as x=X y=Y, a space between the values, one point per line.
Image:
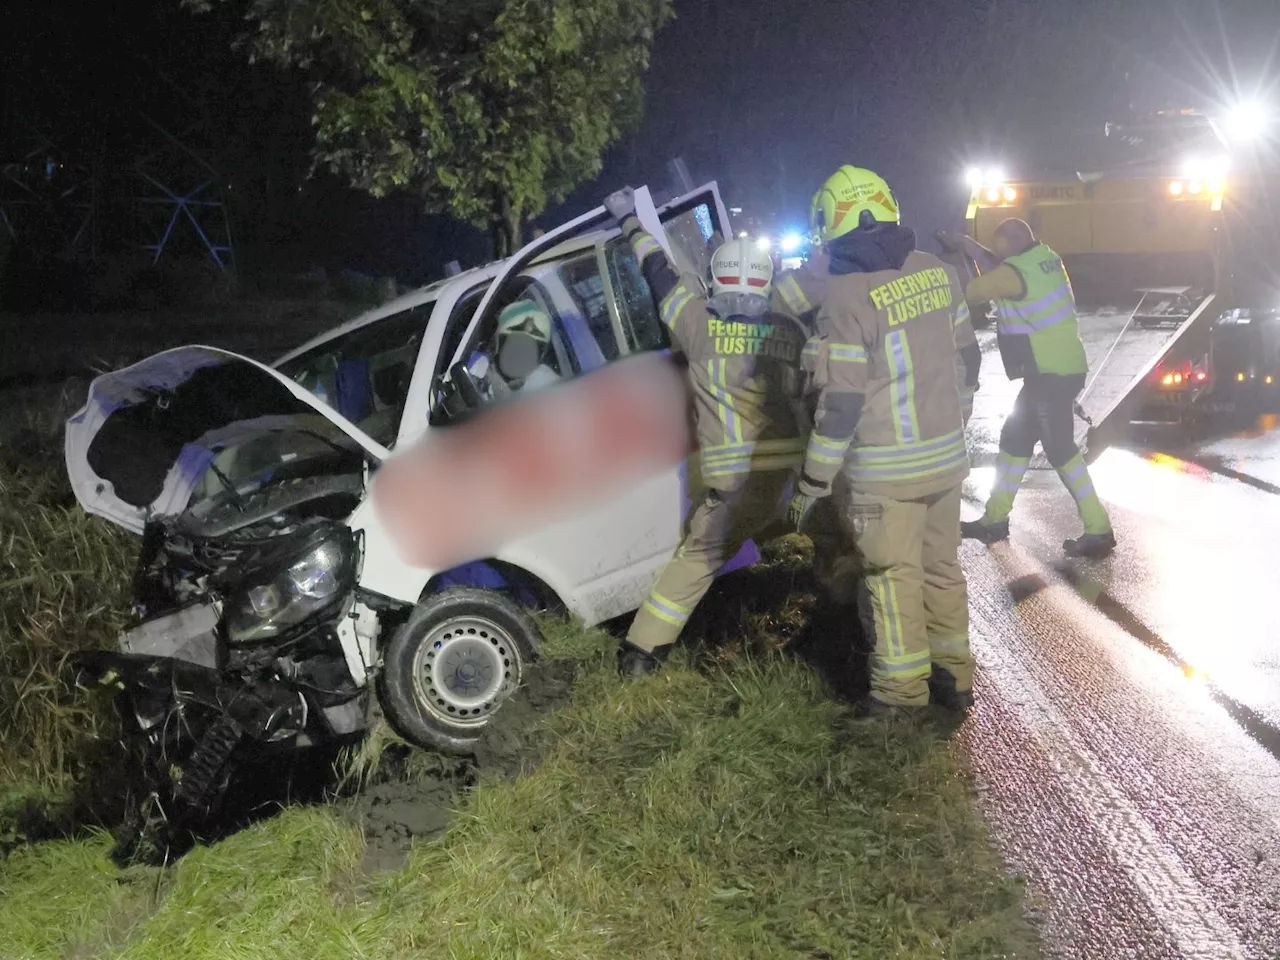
x=365 y=374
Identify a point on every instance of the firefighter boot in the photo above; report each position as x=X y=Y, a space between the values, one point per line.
x=984 y=532
x=869 y=708
x=943 y=692
x=1092 y=546
x=634 y=662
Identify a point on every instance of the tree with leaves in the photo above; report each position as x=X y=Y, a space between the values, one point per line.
x=486 y=109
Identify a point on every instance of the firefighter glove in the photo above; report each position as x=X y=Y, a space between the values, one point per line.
x=621 y=203
x=800 y=508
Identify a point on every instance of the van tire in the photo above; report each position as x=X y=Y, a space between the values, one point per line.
x=451 y=666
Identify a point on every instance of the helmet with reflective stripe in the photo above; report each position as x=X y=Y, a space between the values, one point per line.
x=525 y=316
x=738 y=267
x=852 y=197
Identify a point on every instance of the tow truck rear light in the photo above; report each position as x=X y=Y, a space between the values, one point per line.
x=1239 y=378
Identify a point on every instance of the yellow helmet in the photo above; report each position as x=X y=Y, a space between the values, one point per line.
x=838 y=207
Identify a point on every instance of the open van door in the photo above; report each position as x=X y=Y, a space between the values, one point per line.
x=688 y=223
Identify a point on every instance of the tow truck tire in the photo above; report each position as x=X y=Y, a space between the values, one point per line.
x=452 y=665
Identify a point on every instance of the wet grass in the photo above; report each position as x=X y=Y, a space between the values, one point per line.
x=63 y=586
x=730 y=811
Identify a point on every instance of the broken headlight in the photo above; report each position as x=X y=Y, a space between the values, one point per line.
x=317 y=580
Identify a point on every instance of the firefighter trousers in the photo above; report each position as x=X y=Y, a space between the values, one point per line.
x=1044 y=412
x=718 y=527
x=912 y=597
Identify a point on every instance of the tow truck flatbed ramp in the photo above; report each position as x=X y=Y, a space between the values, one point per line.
x=1120 y=379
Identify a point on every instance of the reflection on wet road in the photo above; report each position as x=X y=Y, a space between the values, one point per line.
x=1128 y=734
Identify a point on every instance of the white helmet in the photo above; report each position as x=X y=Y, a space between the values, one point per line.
x=739 y=267
x=741 y=278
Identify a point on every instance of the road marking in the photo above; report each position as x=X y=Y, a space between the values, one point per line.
x=1176 y=900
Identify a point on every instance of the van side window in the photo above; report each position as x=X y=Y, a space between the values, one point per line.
x=640 y=321
x=581 y=277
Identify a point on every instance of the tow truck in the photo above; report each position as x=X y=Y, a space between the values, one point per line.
x=1179 y=214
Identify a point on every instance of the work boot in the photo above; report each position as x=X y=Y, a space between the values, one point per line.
x=1091 y=545
x=634 y=662
x=943 y=692
x=869 y=708
x=987 y=533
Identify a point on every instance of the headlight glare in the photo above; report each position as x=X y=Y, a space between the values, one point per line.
x=310 y=584
x=316 y=576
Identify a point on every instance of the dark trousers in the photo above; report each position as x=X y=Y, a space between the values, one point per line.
x=1044 y=412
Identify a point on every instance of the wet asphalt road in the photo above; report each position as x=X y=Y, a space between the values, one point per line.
x=1127 y=739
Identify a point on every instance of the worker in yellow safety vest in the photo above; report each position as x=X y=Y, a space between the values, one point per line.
x=888 y=439
x=1039 y=339
x=744 y=374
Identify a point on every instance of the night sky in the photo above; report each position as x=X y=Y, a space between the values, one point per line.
x=766 y=97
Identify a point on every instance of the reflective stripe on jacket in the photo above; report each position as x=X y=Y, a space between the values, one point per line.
x=886 y=358
x=797 y=293
x=1043 y=323
x=744 y=371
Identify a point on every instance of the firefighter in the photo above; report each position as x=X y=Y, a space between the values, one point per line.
x=799 y=293
x=889 y=438
x=1040 y=344
x=744 y=372
x=521 y=348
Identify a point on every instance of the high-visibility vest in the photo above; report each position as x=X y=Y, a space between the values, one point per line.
x=1046 y=314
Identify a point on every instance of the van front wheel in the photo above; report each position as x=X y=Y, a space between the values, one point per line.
x=449 y=669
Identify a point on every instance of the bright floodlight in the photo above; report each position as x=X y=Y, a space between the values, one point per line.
x=791 y=242
x=1247 y=120
x=973 y=177
x=763 y=243
x=995 y=177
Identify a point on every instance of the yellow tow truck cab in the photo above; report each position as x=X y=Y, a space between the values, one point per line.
x=1146 y=220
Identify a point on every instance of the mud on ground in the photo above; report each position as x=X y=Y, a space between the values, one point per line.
x=416 y=795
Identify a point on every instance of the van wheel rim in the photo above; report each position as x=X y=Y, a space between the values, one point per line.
x=464 y=668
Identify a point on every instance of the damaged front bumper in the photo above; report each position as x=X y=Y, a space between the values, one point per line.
x=262 y=710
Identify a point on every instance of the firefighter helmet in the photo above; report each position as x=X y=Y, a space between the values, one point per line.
x=525 y=316
x=852 y=197
x=739 y=267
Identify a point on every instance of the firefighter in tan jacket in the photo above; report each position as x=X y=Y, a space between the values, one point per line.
x=889 y=437
x=744 y=372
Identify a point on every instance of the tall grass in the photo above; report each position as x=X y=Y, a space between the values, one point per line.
x=64 y=586
x=732 y=812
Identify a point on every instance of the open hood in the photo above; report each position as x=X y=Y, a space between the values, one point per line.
x=147 y=434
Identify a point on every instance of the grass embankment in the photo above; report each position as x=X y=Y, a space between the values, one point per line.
x=726 y=811
x=734 y=813
x=63 y=586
